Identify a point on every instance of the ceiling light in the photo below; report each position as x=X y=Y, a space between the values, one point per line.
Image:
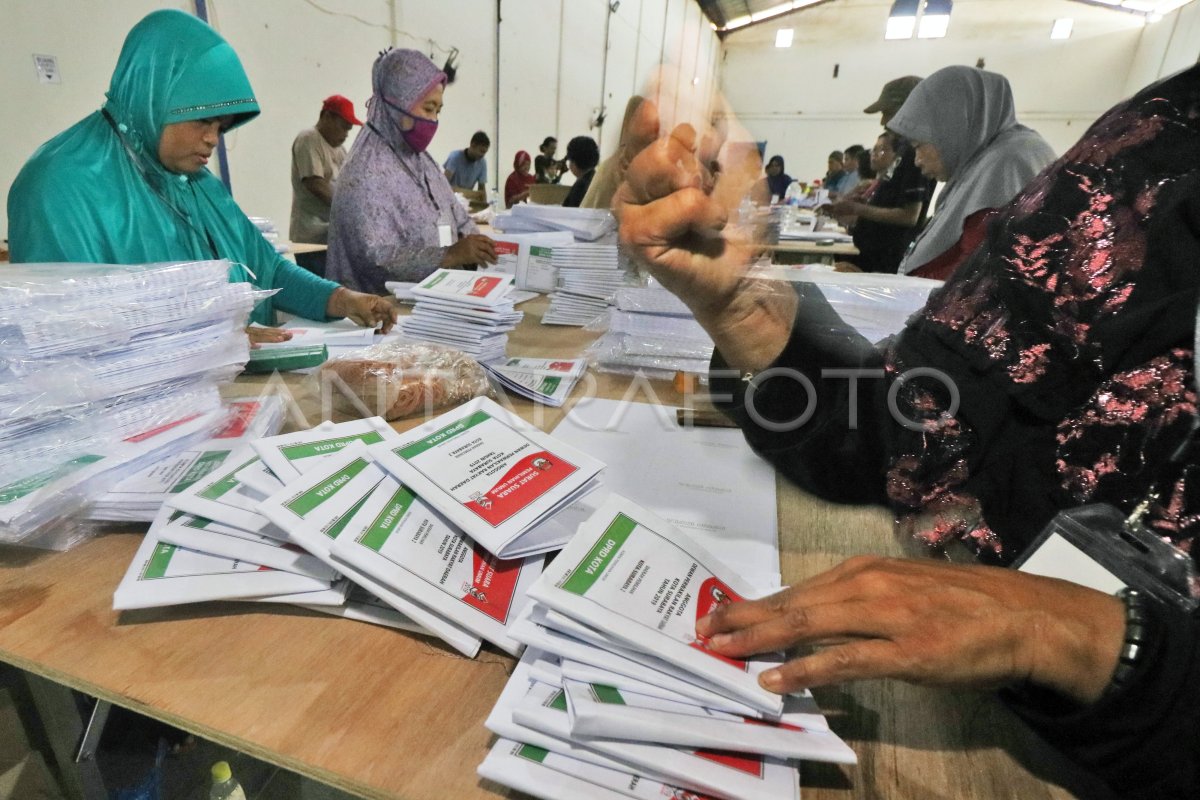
x=935 y=20
x=1062 y=28
x=783 y=37
x=902 y=19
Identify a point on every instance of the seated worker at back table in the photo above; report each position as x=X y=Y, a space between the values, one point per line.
x=395 y=217
x=129 y=183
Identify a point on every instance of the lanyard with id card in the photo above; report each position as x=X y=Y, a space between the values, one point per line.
x=1098 y=546
x=445 y=230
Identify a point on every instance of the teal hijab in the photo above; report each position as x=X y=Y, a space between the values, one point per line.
x=98 y=193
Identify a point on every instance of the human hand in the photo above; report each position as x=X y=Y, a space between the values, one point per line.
x=842 y=208
x=474 y=248
x=259 y=335
x=367 y=310
x=845 y=266
x=929 y=623
x=673 y=216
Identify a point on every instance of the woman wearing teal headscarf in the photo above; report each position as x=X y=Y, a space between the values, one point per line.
x=128 y=184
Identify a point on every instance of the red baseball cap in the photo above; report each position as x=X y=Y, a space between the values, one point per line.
x=342 y=107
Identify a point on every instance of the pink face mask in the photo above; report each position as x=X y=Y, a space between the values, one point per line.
x=420 y=134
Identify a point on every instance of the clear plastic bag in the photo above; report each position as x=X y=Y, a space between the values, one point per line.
x=59 y=309
x=398 y=379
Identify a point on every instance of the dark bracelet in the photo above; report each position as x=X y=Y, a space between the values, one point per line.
x=1137 y=631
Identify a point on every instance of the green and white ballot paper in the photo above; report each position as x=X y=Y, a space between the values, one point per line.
x=616 y=678
x=494 y=476
x=378 y=532
x=640 y=581
x=543 y=380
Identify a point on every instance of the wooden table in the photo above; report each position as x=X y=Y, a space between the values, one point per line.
x=390 y=715
x=804 y=252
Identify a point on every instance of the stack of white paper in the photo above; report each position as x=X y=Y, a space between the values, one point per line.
x=105 y=370
x=653 y=332
x=874 y=305
x=543 y=380
x=584 y=224
x=138 y=497
x=588 y=277
x=470 y=311
x=616 y=690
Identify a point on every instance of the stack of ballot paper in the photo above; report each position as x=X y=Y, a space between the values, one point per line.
x=210 y=541
x=615 y=690
x=441 y=530
x=104 y=371
x=535 y=271
x=139 y=497
x=543 y=380
x=651 y=331
x=469 y=311
x=584 y=224
x=588 y=275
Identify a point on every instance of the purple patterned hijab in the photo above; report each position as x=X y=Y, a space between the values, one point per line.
x=390 y=200
x=1070 y=334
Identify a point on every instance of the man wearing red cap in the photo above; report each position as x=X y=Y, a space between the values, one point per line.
x=317 y=157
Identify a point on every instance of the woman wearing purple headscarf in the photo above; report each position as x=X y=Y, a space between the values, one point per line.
x=394 y=216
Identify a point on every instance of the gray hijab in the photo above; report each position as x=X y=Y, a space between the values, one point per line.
x=968 y=115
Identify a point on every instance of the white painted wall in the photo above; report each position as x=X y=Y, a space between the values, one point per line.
x=790 y=98
x=1166 y=47
x=299 y=51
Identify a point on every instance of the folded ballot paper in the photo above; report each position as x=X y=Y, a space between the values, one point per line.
x=599 y=710
x=493 y=475
x=288 y=454
x=528 y=677
x=642 y=583
x=405 y=545
x=138 y=497
x=721 y=773
x=318 y=507
x=213 y=538
x=164 y=574
x=543 y=380
x=467 y=310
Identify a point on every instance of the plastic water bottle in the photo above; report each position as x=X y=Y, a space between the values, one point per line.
x=224 y=785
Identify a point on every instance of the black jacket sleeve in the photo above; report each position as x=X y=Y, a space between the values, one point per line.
x=821 y=428
x=1144 y=740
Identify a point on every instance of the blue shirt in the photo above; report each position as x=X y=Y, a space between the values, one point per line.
x=464 y=173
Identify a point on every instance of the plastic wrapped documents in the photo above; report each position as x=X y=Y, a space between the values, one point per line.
x=56 y=309
x=874 y=305
x=104 y=372
x=585 y=224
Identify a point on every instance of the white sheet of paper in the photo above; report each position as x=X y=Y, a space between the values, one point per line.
x=705 y=481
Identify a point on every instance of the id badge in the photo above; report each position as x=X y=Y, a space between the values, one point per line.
x=1096 y=546
x=445 y=236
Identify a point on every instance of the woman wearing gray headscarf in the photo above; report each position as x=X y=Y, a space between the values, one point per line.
x=394 y=215
x=962 y=123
